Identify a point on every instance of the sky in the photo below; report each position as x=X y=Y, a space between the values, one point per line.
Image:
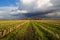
x=16 y=9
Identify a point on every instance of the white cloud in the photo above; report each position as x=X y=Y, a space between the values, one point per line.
x=53 y=14
x=34 y=5
x=43 y=3
x=10 y=10
x=6 y=10
x=22 y=11
x=18 y=12
x=27 y=1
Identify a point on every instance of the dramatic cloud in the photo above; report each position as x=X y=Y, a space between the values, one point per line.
x=7 y=12
x=34 y=5
x=52 y=7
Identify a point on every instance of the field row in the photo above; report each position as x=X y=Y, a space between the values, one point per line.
x=50 y=31
x=7 y=27
x=34 y=30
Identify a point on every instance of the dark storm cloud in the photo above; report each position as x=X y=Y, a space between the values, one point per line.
x=31 y=8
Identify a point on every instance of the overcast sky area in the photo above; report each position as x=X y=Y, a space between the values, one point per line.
x=14 y=9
